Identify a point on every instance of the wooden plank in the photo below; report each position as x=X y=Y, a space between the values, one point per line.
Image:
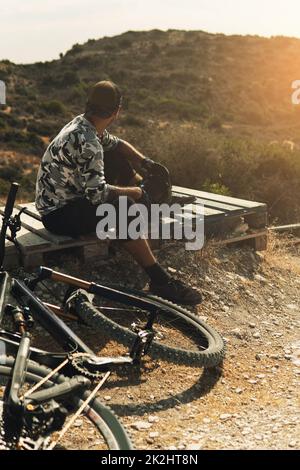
x=36 y=226
x=197 y=209
x=211 y=206
x=245 y=236
x=285 y=228
x=10 y=248
x=241 y=203
x=11 y=259
x=29 y=241
x=215 y=205
x=212 y=210
x=30 y=210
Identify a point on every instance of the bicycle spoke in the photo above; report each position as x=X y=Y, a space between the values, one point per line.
x=79 y=411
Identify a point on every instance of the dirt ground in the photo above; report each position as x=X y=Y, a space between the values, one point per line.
x=253 y=400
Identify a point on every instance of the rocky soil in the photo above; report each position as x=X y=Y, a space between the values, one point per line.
x=253 y=400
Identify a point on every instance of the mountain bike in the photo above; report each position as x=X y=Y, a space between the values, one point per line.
x=44 y=394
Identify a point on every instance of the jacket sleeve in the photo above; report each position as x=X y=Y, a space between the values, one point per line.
x=91 y=172
x=109 y=141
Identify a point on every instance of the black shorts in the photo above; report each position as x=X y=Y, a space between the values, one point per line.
x=78 y=217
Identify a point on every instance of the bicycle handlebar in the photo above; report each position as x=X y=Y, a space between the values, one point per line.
x=9 y=206
x=11 y=198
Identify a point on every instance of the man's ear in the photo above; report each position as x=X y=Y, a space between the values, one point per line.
x=118 y=112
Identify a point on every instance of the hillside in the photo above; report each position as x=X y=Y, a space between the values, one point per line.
x=220 y=103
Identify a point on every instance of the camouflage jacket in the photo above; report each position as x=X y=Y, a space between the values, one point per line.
x=72 y=167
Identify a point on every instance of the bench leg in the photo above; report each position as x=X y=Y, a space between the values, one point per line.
x=256 y=221
x=96 y=251
x=33 y=260
x=260 y=243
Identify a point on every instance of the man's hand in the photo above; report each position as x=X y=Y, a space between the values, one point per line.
x=134 y=192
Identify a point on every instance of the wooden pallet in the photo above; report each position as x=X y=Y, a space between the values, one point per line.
x=35 y=241
x=222 y=214
x=291 y=228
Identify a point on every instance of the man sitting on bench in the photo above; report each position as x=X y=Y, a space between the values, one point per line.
x=85 y=166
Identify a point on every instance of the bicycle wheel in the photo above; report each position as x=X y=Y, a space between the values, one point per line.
x=99 y=427
x=181 y=336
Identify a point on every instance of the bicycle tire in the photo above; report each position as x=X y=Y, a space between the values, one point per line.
x=210 y=357
x=103 y=418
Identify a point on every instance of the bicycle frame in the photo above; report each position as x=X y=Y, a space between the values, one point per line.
x=57 y=328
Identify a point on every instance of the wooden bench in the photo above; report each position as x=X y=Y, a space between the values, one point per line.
x=222 y=216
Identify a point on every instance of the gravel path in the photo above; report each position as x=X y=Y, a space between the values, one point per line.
x=253 y=401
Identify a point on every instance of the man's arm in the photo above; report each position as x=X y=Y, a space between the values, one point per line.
x=135 y=157
x=91 y=169
x=131 y=191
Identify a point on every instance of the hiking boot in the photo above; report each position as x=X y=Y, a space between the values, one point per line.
x=176 y=291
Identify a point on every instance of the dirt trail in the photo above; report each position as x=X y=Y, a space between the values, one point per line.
x=252 y=402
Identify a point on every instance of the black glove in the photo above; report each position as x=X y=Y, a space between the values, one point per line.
x=147 y=164
x=157 y=182
x=151 y=167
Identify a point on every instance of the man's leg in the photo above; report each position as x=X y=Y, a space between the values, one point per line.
x=161 y=283
x=143 y=255
x=76 y=218
x=118 y=170
x=141 y=252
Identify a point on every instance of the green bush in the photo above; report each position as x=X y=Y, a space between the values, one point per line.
x=179 y=109
x=3 y=123
x=110 y=47
x=78 y=95
x=69 y=78
x=203 y=159
x=44 y=128
x=4 y=187
x=22 y=141
x=10 y=120
x=215 y=188
x=11 y=173
x=214 y=122
x=76 y=49
x=124 y=43
x=90 y=61
x=53 y=107
x=154 y=50
x=132 y=120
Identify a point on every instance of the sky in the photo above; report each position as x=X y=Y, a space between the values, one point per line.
x=38 y=30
